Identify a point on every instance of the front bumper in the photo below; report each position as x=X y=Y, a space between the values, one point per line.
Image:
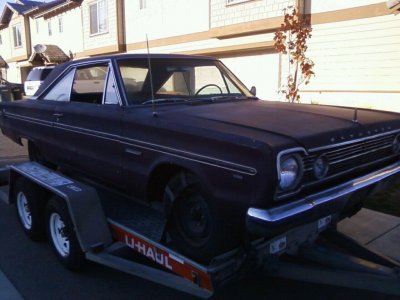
x=268 y=222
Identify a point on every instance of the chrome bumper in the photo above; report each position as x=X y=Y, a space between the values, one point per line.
x=312 y=207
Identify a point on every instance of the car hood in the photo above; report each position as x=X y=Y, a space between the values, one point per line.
x=279 y=124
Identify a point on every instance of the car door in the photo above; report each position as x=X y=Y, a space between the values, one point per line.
x=34 y=119
x=88 y=123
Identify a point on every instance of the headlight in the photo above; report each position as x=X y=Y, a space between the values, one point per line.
x=290 y=172
x=396 y=145
x=321 y=167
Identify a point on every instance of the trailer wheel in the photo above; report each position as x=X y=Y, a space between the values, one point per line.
x=61 y=234
x=195 y=228
x=29 y=201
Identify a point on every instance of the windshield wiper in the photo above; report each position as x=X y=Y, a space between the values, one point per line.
x=231 y=97
x=165 y=100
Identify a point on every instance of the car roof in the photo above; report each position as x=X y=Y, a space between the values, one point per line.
x=136 y=56
x=60 y=68
x=44 y=67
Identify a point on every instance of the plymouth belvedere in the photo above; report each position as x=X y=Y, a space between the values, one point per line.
x=185 y=136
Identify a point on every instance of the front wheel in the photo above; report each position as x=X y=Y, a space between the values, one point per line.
x=195 y=226
x=61 y=234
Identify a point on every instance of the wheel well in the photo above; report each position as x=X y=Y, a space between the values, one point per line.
x=159 y=179
x=31 y=148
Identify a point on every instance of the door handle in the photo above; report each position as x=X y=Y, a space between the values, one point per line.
x=58 y=115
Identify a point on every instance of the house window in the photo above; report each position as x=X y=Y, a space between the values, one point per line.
x=230 y=2
x=142 y=4
x=37 y=25
x=17 y=36
x=49 y=28
x=98 y=17
x=60 y=25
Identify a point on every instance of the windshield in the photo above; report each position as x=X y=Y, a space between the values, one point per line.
x=181 y=79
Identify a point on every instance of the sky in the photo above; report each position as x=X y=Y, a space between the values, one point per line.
x=2 y=2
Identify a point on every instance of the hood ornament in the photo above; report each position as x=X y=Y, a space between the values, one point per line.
x=355 y=116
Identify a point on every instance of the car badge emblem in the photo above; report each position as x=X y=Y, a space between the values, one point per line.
x=355 y=117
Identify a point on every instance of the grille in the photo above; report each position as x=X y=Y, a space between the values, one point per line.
x=347 y=157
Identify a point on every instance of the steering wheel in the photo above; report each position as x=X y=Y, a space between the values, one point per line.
x=206 y=86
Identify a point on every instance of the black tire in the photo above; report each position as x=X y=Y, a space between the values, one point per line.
x=30 y=202
x=195 y=227
x=61 y=234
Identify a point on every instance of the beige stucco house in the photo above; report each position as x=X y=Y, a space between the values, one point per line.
x=15 y=40
x=355 y=43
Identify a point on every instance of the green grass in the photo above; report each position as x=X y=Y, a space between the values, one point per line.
x=387 y=202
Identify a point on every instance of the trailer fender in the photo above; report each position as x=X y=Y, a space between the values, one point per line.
x=84 y=206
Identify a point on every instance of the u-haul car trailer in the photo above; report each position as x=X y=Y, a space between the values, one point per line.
x=86 y=220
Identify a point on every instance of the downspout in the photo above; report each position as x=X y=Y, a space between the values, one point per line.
x=121 y=33
x=300 y=6
x=28 y=41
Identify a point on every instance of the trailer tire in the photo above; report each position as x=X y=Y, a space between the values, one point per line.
x=61 y=234
x=30 y=203
x=195 y=227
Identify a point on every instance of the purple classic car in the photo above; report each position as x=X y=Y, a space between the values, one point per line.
x=184 y=135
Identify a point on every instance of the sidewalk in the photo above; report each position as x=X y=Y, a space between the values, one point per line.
x=377 y=231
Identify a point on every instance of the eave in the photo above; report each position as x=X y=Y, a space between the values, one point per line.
x=58 y=9
x=394 y=6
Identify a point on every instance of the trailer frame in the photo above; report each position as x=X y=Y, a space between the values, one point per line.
x=325 y=255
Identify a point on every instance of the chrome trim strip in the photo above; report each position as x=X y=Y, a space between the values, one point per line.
x=71 y=66
x=134 y=152
x=79 y=64
x=354 y=141
x=311 y=152
x=287 y=211
x=207 y=160
x=29 y=119
x=285 y=152
x=231 y=166
x=358 y=155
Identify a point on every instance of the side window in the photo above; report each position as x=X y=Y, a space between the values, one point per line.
x=111 y=92
x=89 y=83
x=133 y=78
x=62 y=90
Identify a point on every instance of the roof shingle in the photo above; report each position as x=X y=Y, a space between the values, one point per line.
x=52 y=54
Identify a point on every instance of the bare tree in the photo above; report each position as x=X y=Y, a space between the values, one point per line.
x=291 y=40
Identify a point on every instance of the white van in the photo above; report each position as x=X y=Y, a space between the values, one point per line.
x=35 y=78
